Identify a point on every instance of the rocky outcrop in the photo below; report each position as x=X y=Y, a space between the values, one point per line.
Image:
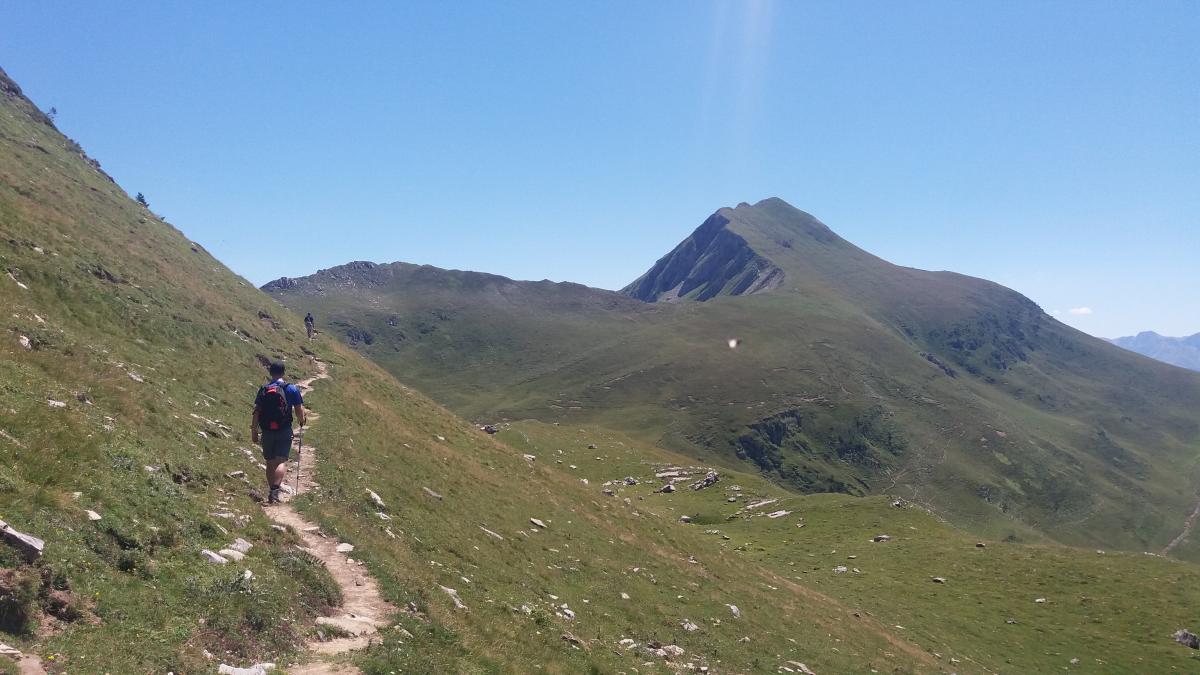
x=712 y=261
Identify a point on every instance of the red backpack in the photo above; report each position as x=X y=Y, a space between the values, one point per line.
x=274 y=413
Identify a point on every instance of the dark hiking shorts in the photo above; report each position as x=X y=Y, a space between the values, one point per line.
x=277 y=444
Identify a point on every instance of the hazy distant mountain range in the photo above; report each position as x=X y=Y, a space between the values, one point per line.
x=1178 y=351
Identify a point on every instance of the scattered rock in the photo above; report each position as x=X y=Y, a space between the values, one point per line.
x=608 y=492
x=27 y=346
x=431 y=493
x=135 y=377
x=55 y=404
x=376 y=499
x=778 y=514
x=624 y=595
x=92 y=515
x=1010 y=622
x=1074 y=661
x=230 y=554
x=29 y=545
x=689 y=626
x=235 y=474
x=841 y=569
x=241 y=545
x=213 y=557
x=490 y=429
x=1040 y=601
x=1187 y=638
x=709 y=479
x=980 y=544
x=382 y=515
x=591 y=446
x=898 y=504
x=529 y=458
x=538 y=523
x=685 y=519
x=631 y=481
x=938 y=580
x=569 y=638
x=458 y=603
x=566 y=612
x=733 y=609
x=668 y=488
x=800 y=668
x=627 y=643
x=880 y=538
x=256 y=669
x=344 y=548
x=15 y=653
x=491 y=534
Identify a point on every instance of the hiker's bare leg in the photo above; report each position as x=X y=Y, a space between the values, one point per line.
x=276 y=470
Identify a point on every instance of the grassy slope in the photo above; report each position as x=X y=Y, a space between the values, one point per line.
x=1114 y=611
x=1066 y=436
x=111 y=292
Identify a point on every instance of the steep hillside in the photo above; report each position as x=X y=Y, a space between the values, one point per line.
x=1177 y=351
x=129 y=358
x=851 y=374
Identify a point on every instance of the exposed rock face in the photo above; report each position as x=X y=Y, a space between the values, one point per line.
x=1187 y=638
x=713 y=261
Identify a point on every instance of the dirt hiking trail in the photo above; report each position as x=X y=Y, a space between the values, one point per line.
x=363 y=610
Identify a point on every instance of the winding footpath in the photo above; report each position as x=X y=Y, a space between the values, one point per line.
x=363 y=611
x=1187 y=529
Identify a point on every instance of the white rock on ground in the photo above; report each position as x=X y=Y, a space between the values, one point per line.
x=733 y=609
x=241 y=545
x=230 y=554
x=55 y=404
x=376 y=498
x=92 y=515
x=344 y=548
x=491 y=534
x=537 y=522
x=256 y=669
x=29 y=545
x=458 y=603
x=213 y=557
x=690 y=627
x=25 y=343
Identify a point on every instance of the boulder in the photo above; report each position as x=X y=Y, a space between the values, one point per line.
x=538 y=523
x=344 y=548
x=690 y=627
x=733 y=609
x=30 y=546
x=1187 y=638
x=230 y=554
x=213 y=557
x=376 y=499
x=92 y=515
x=709 y=479
x=880 y=538
x=241 y=545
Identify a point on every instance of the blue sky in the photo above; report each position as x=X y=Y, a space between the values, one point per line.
x=1052 y=147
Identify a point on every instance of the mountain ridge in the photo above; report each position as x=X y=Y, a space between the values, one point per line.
x=853 y=374
x=1178 y=351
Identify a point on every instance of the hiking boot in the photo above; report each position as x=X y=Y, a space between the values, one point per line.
x=273 y=498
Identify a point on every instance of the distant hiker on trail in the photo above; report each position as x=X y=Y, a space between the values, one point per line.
x=308 y=324
x=272 y=424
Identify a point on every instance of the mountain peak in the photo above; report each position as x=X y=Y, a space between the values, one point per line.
x=740 y=250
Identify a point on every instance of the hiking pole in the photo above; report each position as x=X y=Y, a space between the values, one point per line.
x=299 y=450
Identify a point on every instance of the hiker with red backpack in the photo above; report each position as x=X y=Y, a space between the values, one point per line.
x=272 y=425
